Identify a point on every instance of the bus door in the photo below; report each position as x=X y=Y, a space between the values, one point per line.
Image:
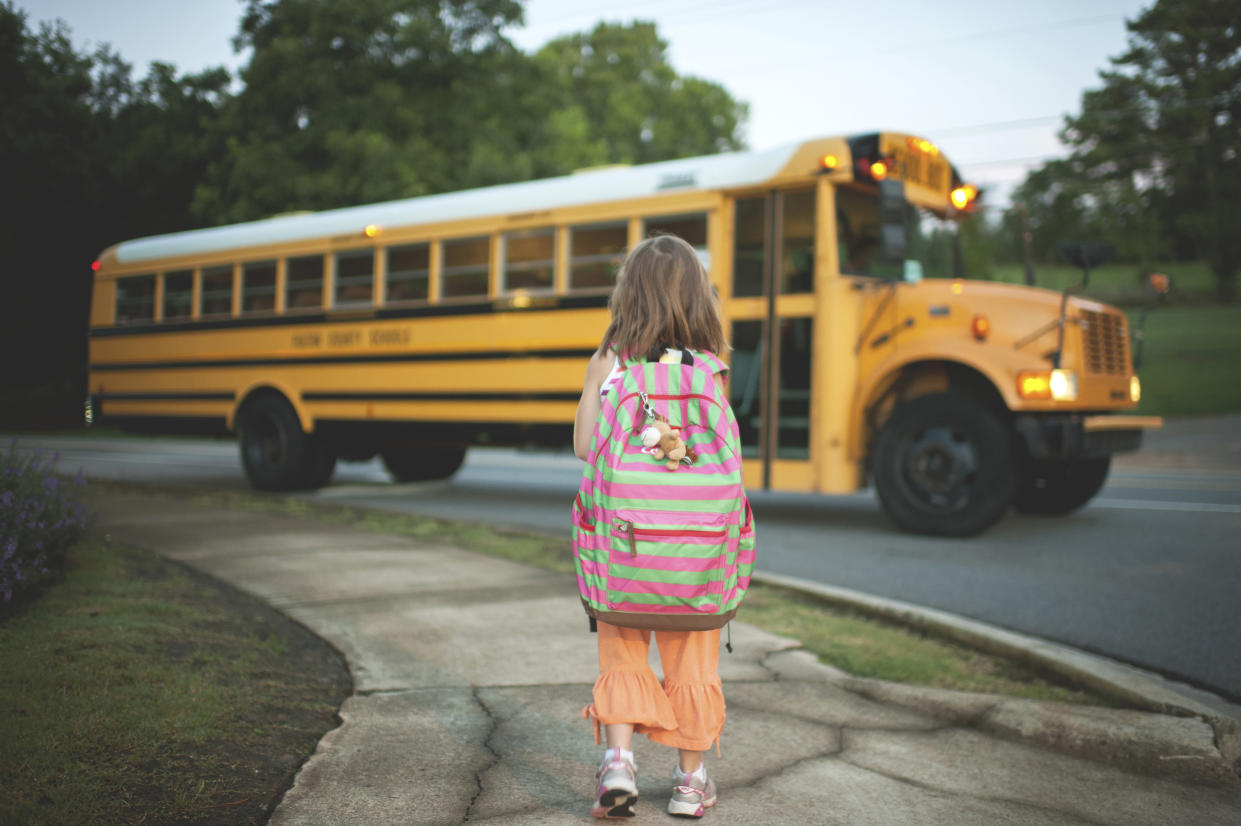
x=772 y=332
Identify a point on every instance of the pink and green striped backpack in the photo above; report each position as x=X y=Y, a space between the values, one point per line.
x=657 y=548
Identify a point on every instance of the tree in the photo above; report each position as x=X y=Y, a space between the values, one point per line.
x=1156 y=158
x=353 y=101
x=88 y=157
x=620 y=101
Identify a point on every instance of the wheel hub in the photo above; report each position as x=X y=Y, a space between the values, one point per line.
x=940 y=467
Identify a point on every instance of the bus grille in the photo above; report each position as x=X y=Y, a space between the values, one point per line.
x=1105 y=343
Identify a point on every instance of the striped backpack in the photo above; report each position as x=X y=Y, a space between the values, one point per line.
x=657 y=548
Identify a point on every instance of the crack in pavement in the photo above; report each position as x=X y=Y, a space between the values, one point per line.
x=843 y=756
x=495 y=755
x=762 y=663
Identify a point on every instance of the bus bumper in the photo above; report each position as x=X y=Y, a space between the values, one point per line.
x=1060 y=436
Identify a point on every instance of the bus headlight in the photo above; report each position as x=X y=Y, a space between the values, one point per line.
x=1058 y=385
x=1135 y=389
x=1063 y=385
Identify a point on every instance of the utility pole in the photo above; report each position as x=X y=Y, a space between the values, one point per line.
x=1026 y=238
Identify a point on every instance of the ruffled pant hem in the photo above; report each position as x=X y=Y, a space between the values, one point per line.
x=687 y=716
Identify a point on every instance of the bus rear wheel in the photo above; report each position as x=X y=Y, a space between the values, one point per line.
x=418 y=463
x=275 y=452
x=1056 y=488
x=943 y=464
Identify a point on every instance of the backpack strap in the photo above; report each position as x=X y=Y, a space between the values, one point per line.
x=711 y=361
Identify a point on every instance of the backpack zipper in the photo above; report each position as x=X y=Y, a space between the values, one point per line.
x=631 y=533
x=626 y=528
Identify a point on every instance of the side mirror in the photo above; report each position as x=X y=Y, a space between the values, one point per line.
x=893 y=229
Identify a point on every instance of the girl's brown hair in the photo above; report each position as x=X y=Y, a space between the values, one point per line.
x=663 y=298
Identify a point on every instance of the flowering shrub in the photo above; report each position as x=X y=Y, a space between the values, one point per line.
x=41 y=515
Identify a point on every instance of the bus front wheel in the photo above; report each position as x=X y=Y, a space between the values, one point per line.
x=419 y=463
x=1056 y=488
x=275 y=452
x=943 y=464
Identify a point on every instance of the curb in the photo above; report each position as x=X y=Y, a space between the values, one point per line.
x=1124 y=682
x=1207 y=748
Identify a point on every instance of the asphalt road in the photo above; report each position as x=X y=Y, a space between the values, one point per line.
x=1148 y=573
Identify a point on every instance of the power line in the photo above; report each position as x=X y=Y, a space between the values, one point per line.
x=996 y=126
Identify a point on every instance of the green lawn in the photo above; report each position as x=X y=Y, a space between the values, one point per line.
x=1120 y=283
x=136 y=692
x=1191 y=360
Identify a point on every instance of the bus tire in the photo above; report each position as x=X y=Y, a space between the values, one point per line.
x=1055 y=488
x=944 y=465
x=419 y=463
x=275 y=453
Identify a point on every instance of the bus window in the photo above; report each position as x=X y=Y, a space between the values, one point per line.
x=178 y=294
x=355 y=277
x=217 y=291
x=595 y=253
x=409 y=273
x=258 y=287
x=857 y=230
x=749 y=232
x=304 y=288
x=135 y=299
x=529 y=259
x=744 y=383
x=797 y=242
x=793 y=415
x=467 y=263
x=691 y=228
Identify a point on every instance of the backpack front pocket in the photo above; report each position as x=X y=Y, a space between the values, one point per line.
x=666 y=568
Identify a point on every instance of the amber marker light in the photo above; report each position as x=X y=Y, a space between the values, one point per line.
x=829 y=162
x=879 y=170
x=980 y=327
x=371 y=231
x=958 y=288
x=1034 y=384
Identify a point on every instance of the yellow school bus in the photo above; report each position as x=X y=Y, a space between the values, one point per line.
x=416 y=328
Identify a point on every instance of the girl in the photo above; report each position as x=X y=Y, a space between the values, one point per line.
x=663 y=300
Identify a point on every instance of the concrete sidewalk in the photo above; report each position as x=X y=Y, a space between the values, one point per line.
x=471 y=672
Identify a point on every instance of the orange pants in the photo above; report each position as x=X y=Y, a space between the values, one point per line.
x=685 y=711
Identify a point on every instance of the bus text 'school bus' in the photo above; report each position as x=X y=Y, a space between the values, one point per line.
x=415 y=328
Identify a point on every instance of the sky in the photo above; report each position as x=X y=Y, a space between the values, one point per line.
x=989 y=81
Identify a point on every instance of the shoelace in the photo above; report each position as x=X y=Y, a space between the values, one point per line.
x=613 y=764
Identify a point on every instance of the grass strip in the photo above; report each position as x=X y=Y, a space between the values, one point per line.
x=137 y=691
x=1189 y=360
x=861 y=645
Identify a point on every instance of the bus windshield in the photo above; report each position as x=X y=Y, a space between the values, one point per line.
x=932 y=245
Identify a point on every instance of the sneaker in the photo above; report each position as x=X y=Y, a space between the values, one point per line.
x=691 y=797
x=617 y=792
